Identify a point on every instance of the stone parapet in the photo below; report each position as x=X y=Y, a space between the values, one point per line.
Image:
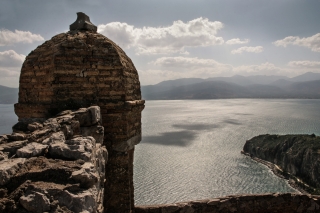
x=265 y=203
x=54 y=165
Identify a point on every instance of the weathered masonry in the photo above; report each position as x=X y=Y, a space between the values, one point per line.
x=83 y=68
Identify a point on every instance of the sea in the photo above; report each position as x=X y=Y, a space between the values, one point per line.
x=190 y=149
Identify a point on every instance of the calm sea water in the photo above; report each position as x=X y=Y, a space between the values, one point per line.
x=7 y=118
x=191 y=148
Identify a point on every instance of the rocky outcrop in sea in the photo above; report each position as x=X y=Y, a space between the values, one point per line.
x=295 y=157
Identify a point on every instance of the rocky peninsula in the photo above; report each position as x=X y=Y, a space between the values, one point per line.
x=294 y=157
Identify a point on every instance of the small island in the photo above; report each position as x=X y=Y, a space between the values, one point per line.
x=293 y=157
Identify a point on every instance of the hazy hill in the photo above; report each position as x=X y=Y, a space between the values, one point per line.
x=8 y=95
x=307 y=89
x=237 y=79
x=219 y=90
x=281 y=83
x=203 y=90
x=248 y=80
x=259 y=86
x=168 y=85
x=309 y=76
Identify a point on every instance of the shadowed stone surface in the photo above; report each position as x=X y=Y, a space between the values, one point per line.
x=265 y=203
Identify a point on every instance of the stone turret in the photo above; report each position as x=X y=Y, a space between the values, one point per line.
x=82 y=68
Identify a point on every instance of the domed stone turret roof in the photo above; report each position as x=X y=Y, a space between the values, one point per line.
x=76 y=69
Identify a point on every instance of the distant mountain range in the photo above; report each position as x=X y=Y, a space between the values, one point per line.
x=8 y=95
x=258 y=86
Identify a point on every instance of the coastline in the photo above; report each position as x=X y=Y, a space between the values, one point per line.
x=293 y=181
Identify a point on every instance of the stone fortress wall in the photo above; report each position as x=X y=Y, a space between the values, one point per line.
x=59 y=162
x=263 y=203
x=83 y=68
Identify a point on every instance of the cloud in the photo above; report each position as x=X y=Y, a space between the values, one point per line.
x=164 y=40
x=187 y=67
x=8 y=37
x=168 y=68
x=10 y=58
x=123 y=34
x=312 y=42
x=9 y=76
x=240 y=50
x=191 y=63
x=9 y=72
x=10 y=66
x=237 y=41
x=260 y=69
x=305 y=64
x=154 y=76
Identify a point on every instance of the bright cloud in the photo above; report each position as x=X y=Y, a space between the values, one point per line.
x=10 y=58
x=237 y=41
x=312 y=42
x=8 y=37
x=123 y=34
x=306 y=64
x=240 y=50
x=164 y=40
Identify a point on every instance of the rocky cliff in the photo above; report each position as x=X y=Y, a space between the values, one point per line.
x=54 y=165
x=296 y=157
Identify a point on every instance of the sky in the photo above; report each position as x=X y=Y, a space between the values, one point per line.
x=171 y=39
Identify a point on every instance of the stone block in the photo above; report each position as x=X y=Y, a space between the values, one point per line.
x=8 y=169
x=12 y=147
x=35 y=202
x=32 y=150
x=16 y=136
x=76 y=148
x=97 y=132
x=56 y=137
x=126 y=145
x=87 y=176
x=34 y=126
